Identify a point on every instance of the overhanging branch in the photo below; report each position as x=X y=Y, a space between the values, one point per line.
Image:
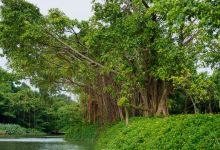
x=91 y=61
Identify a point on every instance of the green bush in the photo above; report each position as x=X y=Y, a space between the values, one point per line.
x=17 y=130
x=174 y=132
x=82 y=132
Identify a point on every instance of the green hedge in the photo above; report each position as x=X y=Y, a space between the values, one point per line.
x=170 y=133
x=17 y=130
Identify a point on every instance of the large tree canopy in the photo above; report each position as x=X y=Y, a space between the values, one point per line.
x=127 y=55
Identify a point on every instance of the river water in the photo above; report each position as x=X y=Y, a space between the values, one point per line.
x=45 y=143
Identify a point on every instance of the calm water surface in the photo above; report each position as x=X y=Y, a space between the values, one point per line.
x=46 y=143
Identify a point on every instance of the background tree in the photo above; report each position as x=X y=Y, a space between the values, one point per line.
x=20 y=105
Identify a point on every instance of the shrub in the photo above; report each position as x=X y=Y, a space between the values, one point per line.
x=82 y=132
x=174 y=132
x=17 y=130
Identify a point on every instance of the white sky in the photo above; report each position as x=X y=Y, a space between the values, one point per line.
x=80 y=9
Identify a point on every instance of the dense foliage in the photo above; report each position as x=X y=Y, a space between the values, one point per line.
x=174 y=132
x=20 y=105
x=196 y=94
x=132 y=53
x=82 y=132
x=16 y=130
x=131 y=58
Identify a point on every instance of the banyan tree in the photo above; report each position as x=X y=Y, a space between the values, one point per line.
x=120 y=62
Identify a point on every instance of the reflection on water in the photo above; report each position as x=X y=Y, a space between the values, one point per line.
x=41 y=144
x=41 y=140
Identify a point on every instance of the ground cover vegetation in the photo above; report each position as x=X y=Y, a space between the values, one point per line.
x=174 y=132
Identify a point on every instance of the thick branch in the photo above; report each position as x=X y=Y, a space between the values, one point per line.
x=189 y=38
x=78 y=53
x=140 y=108
x=70 y=81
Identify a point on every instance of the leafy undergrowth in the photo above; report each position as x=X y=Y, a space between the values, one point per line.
x=82 y=132
x=17 y=130
x=174 y=132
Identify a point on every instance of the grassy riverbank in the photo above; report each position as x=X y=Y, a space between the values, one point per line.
x=82 y=132
x=174 y=132
x=17 y=130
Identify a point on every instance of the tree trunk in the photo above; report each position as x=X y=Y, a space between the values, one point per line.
x=162 y=109
x=126 y=116
x=196 y=110
x=121 y=114
x=210 y=107
x=162 y=106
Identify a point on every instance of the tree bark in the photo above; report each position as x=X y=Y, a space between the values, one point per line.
x=196 y=110
x=162 y=106
x=126 y=116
